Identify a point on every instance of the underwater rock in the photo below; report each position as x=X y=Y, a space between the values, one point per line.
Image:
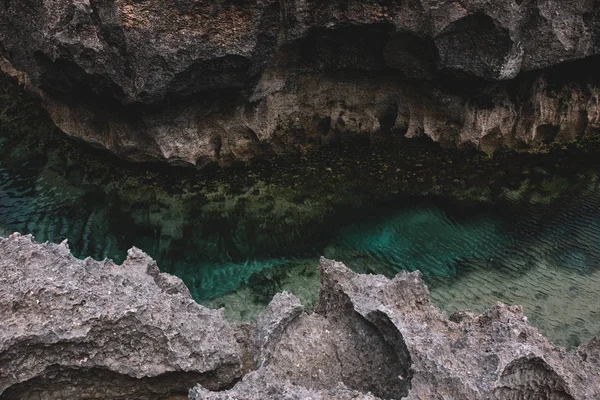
x=92 y=329
x=88 y=329
x=193 y=83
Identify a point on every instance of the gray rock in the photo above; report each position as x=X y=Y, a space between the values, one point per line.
x=199 y=82
x=272 y=322
x=264 y=386
x=83 y=329
x=372 y=336
x=93 y=329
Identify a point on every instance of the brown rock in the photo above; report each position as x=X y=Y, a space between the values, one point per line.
x=197 y=82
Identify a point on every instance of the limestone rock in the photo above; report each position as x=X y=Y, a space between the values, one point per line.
x=261 y=386
x=198 y=82
x=83 y=329
x=371 y=336
x=282 y=310
x=92 y=329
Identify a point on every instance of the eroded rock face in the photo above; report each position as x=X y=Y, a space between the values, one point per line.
x=96 y=330
x=377 y=338
x=199 y=82
x=78 y=329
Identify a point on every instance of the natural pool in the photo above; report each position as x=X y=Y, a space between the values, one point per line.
x=520 y=229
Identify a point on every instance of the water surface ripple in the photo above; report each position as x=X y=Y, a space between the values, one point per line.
x=536 y=242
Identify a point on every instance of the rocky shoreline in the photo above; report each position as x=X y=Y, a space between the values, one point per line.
x=199 y=83
x=111 y=331
x=265 y=87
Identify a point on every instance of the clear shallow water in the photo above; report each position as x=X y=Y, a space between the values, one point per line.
x=545 y=258
x=522 y=234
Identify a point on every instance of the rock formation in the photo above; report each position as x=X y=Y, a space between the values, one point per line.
x=76 y=329
x=194 y=82
x=88 y=329
x=377 y=338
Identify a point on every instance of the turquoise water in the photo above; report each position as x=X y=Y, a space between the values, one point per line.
x=523 y=234
x=422 y=237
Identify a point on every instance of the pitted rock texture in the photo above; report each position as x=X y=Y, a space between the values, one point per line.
x=266 y=386
x=199 y=82
x=377 y=338
x=83 y=329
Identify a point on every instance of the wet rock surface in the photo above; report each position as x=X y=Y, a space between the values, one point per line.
x=87 y=329
x=195 y=83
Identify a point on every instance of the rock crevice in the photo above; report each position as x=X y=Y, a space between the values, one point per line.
x=412 y=350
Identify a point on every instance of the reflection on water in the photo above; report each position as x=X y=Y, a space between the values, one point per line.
x=421 y=237
x=545 y=257
x=481 y=230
